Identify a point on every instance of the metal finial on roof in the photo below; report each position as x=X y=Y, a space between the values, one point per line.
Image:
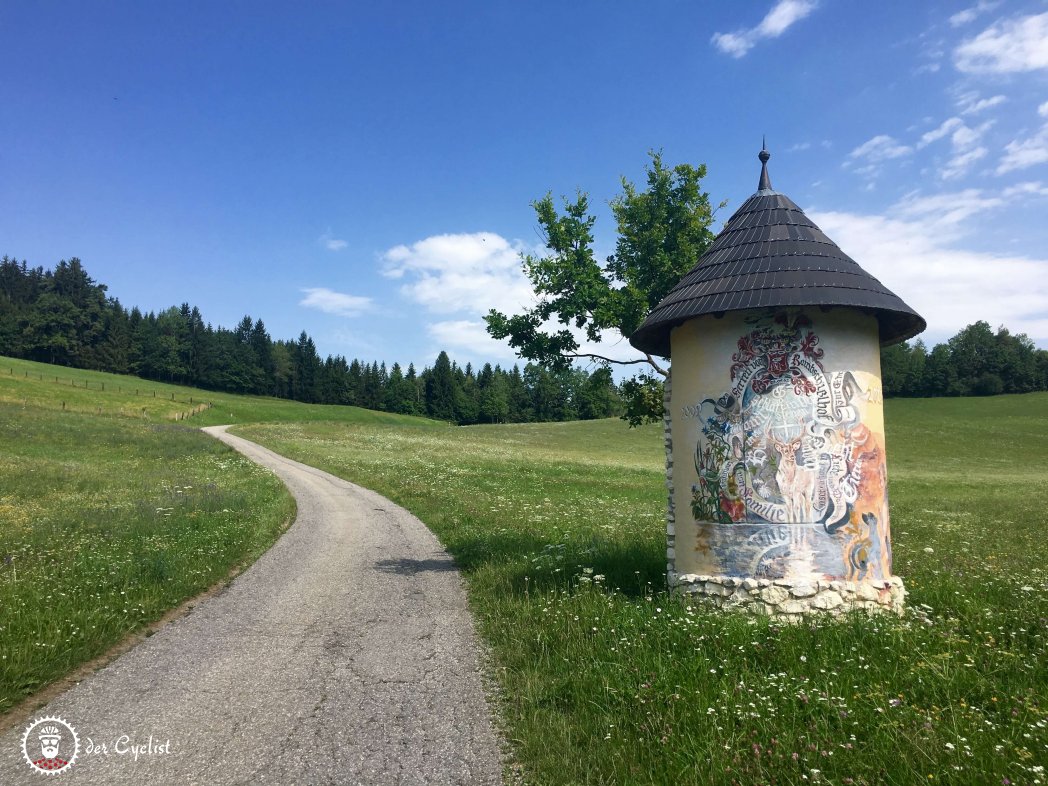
x=764 y=155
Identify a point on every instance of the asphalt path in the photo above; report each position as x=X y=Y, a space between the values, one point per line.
x=346 y=654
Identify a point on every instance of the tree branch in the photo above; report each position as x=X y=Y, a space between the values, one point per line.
x=646 y=359
x=656 y=366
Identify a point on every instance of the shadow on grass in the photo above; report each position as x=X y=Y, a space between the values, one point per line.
x=528 y=563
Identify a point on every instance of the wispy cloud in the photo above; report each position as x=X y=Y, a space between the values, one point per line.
x=331 y=243
x=971 y=14
x=867 y=158
x=1025 y=153
x=960 y=163
x=965 y=143
x=1008 y=46
x=1030 y=188
x=783 y=15
x=938 y=133
x=331 y=302
x=916 y=249
x=880 y=148
x=945 y=215
x=970 y=103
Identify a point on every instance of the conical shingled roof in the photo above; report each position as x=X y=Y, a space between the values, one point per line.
x=770 y=254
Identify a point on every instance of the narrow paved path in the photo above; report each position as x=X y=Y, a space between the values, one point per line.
x=346 y=655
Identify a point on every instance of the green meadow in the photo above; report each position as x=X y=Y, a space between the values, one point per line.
x=114 y=509
x=605 y=678
x=600 y=675
x=25 y=382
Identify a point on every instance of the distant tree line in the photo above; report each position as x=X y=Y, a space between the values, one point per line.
x=64 y=317
x=975 y=362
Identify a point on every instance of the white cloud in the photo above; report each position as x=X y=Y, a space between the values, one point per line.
x=1025 y=153
x=461 y=273
x=950 y=287
x=880 y=148
x=783 y=15
x=965 y=142
x=970 y=103
x=946 y=215
x=1042 y=110
x=1030 y=188
x=933 y=136
x=970 y=14
x=331 y=243
x=965 y=137
x=961 y=163
x=331 y=302
x=1008 y=46
x=468 y=335
x=961 y=135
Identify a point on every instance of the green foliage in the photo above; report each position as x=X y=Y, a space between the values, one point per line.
x=662 y=232
x=606 y=678
x=975 y=362
x=643 y=398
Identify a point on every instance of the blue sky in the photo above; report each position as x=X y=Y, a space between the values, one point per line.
x=363 y=171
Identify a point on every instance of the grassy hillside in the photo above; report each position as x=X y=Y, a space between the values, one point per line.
x=105 y=524
x=606 y=679
x=113 y=512
x=96 y=392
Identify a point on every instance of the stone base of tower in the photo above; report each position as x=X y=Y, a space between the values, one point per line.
x=793 y=599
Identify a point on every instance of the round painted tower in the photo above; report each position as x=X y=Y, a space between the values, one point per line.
x=774 y=417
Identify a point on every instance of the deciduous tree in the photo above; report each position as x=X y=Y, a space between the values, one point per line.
x=662 y=231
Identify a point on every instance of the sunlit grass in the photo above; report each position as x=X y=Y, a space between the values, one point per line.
x=105 y=524
x=605 y=678
x=65 y=389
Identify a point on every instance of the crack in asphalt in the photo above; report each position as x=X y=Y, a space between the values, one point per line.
x=345 y=654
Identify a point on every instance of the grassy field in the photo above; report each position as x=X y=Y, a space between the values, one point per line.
x=98 y=393
x=606 y=679
x=113 y=512
x=107 y=523
x=106 y=520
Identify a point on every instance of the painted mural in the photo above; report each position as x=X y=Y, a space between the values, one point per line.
x=785 y=464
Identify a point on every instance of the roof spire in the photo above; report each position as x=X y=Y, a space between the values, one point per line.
x=764 y=155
